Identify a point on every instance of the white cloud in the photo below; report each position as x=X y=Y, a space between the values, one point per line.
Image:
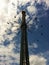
x=9 y=59
x=32 y=9
x=7 y=13
x=33 y=45
x=23 y=2
x=6 y=55
x=46 y=2
x=37 y=60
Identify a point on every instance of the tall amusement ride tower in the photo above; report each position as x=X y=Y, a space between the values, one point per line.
x=24 y=55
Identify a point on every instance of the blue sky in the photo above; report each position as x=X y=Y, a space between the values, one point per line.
x=37 y=19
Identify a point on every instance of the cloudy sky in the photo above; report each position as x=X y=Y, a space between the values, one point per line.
x=37 y=19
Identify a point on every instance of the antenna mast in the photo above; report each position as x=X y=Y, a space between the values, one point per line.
x=24 y=55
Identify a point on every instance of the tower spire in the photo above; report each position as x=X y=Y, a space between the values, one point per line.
x=24 y=55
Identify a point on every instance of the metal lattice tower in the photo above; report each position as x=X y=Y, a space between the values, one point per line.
x=24 y=55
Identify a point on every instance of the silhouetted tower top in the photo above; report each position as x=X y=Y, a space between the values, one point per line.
x=24 y=55
x=23 y=24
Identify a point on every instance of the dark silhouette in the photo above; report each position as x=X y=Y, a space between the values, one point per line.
x=24 y=55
